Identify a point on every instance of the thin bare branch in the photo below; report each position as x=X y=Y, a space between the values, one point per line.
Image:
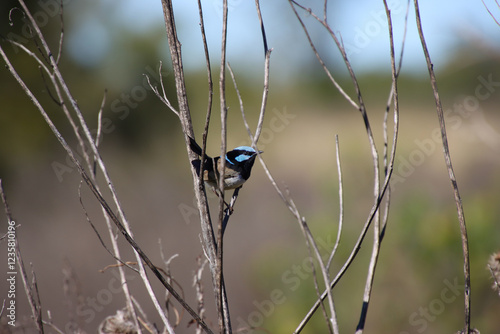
x=316 y=53
x=377 y=228
x=390 y=101
x=93 y=147
x=262 y=28
x=224 y=317
x=162 y=84
x=61 y=36
x=265 y=94
x=451 y=173
x=103 y=244
x=489 y=12
x=332 y=320
x=51 y=324
x=325 y=11
x=98 y=136
x=209 y=244
x=31 y=289
x=242 y=108
x=230 y=208
x=361 y=107
x=371 y=216
x=353 y=253
x=83 y=149
x=171 y=279
x=341 y=205
x=210 y=92
x=31 y=54
x=197 y=283
x=287 y=200
x=163 y=98
x=47 y=88
x=144 y=320
x=94 y=190
x=377 y=191
x=208 y=236
x=6 y=206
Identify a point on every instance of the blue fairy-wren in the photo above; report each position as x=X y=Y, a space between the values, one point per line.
x=239 y=163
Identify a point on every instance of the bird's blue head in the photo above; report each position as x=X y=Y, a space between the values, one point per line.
x=241 y=154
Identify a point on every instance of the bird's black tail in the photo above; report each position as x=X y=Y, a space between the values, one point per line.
x=194 y=146
x=196 y=149
x=196 y=164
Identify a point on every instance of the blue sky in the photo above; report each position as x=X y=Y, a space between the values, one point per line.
x=361 y=24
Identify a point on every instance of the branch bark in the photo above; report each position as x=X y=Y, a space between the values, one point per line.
x=85 y=176
x=451 y=173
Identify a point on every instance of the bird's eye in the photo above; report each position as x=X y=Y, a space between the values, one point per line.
x=239 y=154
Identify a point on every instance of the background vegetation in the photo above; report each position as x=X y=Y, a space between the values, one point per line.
x=264 y=249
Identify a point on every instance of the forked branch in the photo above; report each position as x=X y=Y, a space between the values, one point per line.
x=379 y=189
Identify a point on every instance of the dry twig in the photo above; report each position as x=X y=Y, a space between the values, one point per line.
x=88 y=180
x=451 y=173
x=379 y=188
x=31 y=289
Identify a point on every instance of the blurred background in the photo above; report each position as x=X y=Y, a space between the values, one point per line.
x=110 y=46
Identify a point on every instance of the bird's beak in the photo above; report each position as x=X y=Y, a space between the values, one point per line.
x=260 y=152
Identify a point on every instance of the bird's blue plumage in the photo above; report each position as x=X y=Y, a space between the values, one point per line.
x=238 y=167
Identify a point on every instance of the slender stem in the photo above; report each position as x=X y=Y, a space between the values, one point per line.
x=451 y=173
x=242 y=107
x=262 y=29
x=223 y=312
x=489 y=12
x=50 y=57
x=377 y=239
x=265 y=93
x=320 y=60
x=332 y=320
x=341 y=205
x=97 y=193
x=210 y=90
x=35 y=305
